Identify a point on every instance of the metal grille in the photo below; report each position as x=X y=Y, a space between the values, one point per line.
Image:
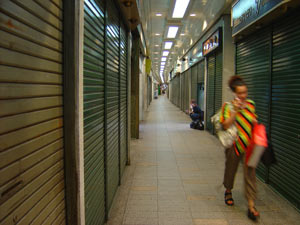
x=112 y=101
x=218 y=81
x=123 y=98
x=210 y=101
x=194 y=82
x=285 y=109
x=253 y=64
x=94 y=176
x=31 y=116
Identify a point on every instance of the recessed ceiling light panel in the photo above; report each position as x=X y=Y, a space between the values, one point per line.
x=180 y=8
x=172 y=32
x=168 y=44
x=165 y=53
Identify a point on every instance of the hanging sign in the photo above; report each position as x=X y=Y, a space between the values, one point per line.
x=148 y=66
x=211 y=43
x=246 y=12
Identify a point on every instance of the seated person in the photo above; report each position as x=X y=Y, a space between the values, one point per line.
x=195 y=111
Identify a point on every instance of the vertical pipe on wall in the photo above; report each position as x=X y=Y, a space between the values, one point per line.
x=73 y=110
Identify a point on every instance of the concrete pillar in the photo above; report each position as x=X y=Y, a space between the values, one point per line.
x=135 y=76
x=228 y=58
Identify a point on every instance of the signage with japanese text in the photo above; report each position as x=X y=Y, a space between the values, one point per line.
x=246 y=12
x=211 y=43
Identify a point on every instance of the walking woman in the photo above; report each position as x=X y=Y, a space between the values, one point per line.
x=242 y=113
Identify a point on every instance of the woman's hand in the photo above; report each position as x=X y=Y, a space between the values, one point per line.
x=238 y=104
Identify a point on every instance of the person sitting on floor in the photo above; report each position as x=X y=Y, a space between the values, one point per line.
x=195 y=111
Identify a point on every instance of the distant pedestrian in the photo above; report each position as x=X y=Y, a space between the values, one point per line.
x=244 y=117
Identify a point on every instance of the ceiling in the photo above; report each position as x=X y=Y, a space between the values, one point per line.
x=191 y=28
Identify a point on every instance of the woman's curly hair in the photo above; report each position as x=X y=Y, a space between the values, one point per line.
x=235 y=81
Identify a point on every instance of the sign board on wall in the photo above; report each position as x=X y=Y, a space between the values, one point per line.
x=211 y=43
x=246 y=12
x=148 y=66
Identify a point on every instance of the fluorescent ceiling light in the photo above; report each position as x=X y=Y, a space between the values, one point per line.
x=163 y=63
x=168 y=44
x=204 y=25
x=193 y=14
x=180 y=8
x=172 y=32
x=156 y=45
x=165 y=53
x=158 y=14
x=163 y=59
x=157 y=34
x=182 y=34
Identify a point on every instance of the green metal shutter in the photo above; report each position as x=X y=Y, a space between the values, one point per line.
x=112 y=101
x=187 y=89
x=285 y=109
x=177 y=90
x=124 y=101
x=181 y=91
x=94 y=177
x=210 y=99
x=174 y=90
x=31 y=113
x=218 y=81
x=194 y=83
x=201 y=71
x=253 y=64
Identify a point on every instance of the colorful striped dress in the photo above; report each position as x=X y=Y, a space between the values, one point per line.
x=244 y=123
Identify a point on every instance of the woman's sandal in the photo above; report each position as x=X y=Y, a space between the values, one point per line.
x=253 y=215
x=228 y=201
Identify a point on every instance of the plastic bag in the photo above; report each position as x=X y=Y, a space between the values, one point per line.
x=257 y=146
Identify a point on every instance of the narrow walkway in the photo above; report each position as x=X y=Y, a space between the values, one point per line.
x=176 y=179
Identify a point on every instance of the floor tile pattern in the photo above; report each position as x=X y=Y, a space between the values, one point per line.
x=175 y=178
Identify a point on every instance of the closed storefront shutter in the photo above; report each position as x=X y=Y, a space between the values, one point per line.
x=285 y=110
x=178 y=91
x=218 y=81
x=32 y=187
x=94 y=176
x=194 y=82
x=124 y=101
x=253 y=64
x=210 y=99
x=201 y=71
x=112 y=101
x=200 y=87
x=182 y=86
x=187 y=89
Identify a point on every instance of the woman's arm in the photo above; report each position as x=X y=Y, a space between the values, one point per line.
x=228 y=122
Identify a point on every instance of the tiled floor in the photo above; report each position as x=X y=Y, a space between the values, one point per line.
x=175 y=178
